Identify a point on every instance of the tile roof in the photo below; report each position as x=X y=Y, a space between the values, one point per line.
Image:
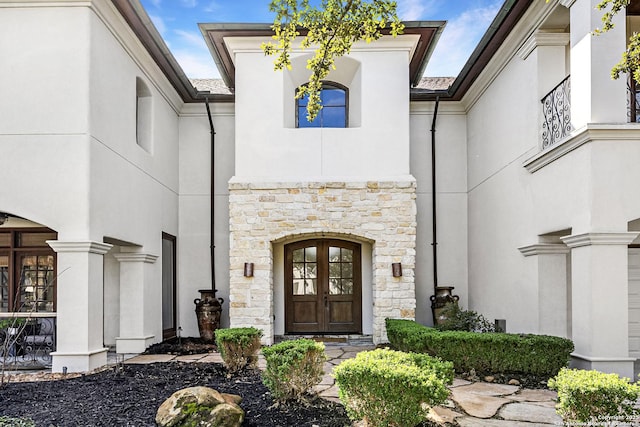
x=217 y=86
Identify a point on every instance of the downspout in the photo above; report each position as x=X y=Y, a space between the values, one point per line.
x=213 y=204
x=208 y=307
x=433 y=196
x=441 y=295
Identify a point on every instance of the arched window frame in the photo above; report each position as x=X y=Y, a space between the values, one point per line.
x=326 y=85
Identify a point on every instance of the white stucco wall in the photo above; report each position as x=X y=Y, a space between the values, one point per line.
x=451 y=201
x=194 y=264
x=376 y=143
x=72 y=162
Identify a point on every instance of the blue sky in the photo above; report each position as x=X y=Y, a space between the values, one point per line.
x=177 y=20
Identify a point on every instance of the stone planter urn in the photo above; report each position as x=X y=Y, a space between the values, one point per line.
x=439 y=301
x=208 y=311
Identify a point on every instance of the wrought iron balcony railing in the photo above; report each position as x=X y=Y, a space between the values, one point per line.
x=556 y=109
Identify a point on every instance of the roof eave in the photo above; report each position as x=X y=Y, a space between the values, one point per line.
x=137 y=18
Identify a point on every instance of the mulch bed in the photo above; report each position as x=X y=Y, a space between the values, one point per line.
x=130 y=395
x=182 y=346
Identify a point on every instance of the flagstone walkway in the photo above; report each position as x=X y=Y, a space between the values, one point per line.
x=477 y=404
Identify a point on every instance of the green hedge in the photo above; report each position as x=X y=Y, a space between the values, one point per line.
x=293 y=368
x=588 y=397
x=484 y=352
x=392 y=388
x=238 y=347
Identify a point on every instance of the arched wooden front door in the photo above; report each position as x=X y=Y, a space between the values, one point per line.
x=323 y=287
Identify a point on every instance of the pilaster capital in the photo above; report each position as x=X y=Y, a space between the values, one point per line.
x=135 y=257
x=89 y=246
x=544 y=249
x=588 y=239
x=543 y=38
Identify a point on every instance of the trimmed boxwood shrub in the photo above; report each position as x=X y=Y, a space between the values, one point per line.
x=238 y=347
x=492 y=353
x=293 y=368
x=392 y=388
x=594 y=397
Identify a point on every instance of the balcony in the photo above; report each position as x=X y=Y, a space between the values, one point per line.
x=556 y=110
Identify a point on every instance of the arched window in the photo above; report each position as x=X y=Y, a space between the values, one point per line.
x=334 y=112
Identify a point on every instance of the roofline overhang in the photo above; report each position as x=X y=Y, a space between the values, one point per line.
x=139 y=21
x=501 y=26
x=215 y=33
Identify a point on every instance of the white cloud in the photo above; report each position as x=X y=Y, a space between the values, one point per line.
x=197 y=65
x=213 y=6
x=189 y=3
x=459 y=39
x=191 y=38
x=412 y=10
x=159 y=24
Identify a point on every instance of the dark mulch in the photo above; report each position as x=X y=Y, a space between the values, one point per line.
x=182 y=346
x=131 y=395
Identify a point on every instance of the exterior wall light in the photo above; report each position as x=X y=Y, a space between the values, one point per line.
x=396 y=269
x=248 y=269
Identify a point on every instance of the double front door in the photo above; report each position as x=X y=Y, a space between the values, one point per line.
x=323 y=287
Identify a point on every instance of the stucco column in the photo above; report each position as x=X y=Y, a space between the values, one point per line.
x=595 y=97
x=135 y=297
x=79 y=287
x=553 y=305
x=600 y=307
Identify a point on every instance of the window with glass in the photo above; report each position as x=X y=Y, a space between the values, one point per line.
x=27 y=271
x=334 y=113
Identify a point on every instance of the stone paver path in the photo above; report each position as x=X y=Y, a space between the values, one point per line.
x=476 y=404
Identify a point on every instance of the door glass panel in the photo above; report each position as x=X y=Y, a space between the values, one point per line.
x=334 y=270
x=311 y=271
x=347 y=286
x=334 y=254
x=298 y=255
x=5 y=240
x=340 y=271
x=304 y=287
x=298 y=270
x=305 y=271
x=310 y=254
x=347 y=270
x=4 y=283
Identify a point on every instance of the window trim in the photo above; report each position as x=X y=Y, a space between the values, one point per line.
x=326 y=84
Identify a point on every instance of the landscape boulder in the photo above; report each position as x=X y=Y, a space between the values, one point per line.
x=200 y=406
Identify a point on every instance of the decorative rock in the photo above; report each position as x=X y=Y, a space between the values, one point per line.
x=514 y=381
x=441 y=415
x=489 y=379
x=477 y=405
x=488 y=389
x=201 y=406
x=527 y=395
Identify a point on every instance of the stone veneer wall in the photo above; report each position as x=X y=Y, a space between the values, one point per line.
x=383 y=213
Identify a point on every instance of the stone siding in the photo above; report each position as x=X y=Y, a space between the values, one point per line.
x=382 y=213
